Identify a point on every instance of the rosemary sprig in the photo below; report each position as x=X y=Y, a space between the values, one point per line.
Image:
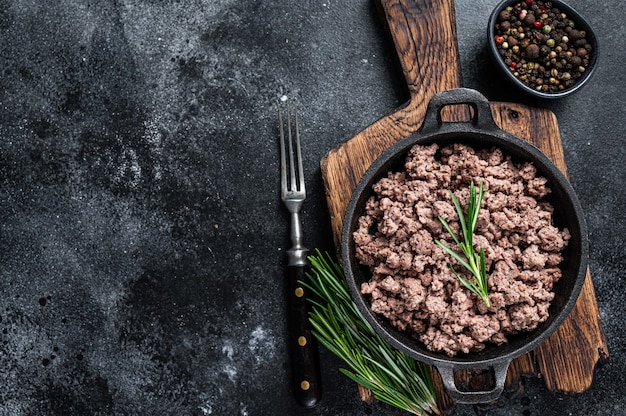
x=472 y=261
x=392 y=376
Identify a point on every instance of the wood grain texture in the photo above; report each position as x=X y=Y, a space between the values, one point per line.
x=425 y=41
x=424 y=34
x=567 y=360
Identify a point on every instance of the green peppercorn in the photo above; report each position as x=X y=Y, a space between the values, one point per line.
x=546 y=29
x=550 y=43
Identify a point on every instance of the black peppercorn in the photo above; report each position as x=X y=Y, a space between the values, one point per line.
x=529 y=20
x=532 y=51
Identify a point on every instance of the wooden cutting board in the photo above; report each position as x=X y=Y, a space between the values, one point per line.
x=424 y=35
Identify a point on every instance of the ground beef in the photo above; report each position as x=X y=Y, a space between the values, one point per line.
x=412 y=285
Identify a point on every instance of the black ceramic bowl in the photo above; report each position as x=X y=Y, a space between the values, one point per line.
x=508 y=73
x=481 y=132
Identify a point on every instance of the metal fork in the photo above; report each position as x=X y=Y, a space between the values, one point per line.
x=304 y=352
x=292 y=190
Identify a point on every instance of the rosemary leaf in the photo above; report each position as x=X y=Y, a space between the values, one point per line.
x=472 y=261
x=454 y=254
x=392 y=376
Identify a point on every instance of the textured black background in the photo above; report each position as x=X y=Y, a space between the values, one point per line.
x=141 y=232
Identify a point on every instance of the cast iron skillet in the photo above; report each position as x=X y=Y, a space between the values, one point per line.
x=480 y=132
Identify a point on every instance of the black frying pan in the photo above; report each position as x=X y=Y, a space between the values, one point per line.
x=480 y=132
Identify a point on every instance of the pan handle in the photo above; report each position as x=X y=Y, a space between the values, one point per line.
x=482 y=117
x=474 y=397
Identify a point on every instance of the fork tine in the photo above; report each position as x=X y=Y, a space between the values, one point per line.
x=292 y=166
x=299 y=152
x=283 y=158
x=294 y=181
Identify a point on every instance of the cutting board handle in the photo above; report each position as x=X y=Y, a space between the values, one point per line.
x=424 y=35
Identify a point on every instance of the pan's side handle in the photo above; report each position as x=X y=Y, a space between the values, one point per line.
x=482 y=118
x=474 y=397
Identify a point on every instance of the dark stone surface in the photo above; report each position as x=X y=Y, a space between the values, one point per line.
x=141 y=231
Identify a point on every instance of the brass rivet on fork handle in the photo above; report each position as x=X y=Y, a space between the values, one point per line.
x=305 y=367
